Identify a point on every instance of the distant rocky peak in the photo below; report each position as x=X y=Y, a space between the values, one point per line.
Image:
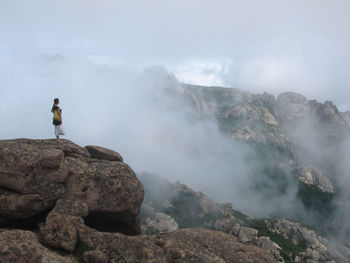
x=291 y=106
x=292 y=97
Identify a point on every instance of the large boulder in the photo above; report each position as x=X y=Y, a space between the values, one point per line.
x=271 y=247
x=248 y=235
x=75 y=187
x=182 y=246
x=19 y=246
x=33 y=175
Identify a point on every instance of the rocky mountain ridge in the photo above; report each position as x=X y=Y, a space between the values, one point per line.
x=264 y=121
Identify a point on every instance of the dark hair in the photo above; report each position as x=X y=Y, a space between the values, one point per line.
x=56 y=100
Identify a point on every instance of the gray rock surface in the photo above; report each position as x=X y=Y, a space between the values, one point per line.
x=102 y=153
x=19 y=246
x=319 y=249
x=271 y=247
x=41 y=175
x=312 y=176
x=180 y=198
x=158 y=222
x=291 y=106
x=186 y=246
x=55 y=256
x=248 y=235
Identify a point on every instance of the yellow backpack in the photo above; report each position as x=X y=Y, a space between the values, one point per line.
x=56 y=117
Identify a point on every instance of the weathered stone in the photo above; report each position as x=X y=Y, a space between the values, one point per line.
x=71 y=207
x=291 y=106
x=32 y=174
x=103 y=153
x=249 y=235
x=187 y=245
x=19 y=246
x=159 y=223
x=271 y=247
x=95 y=256
x=41 y=175
x=50 y=255
x=15 y=206
x=51 y=158
x=235 y=230
x=60 y=231
x=211 y=214
x=312 y=176
x=317 y=250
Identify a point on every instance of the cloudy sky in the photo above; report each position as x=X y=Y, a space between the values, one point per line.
x=268 y=45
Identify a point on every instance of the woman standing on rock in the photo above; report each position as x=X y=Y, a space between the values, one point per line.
x=57 y=118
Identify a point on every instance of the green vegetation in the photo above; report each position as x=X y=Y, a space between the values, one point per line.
x=272 y=181
x=242 y=218
x=270 y=150
x=220 y=95
x=321 y=208
x=288 y=249
x=227 y=125
x=78 y=253
x=316 y=200
x=187 y=212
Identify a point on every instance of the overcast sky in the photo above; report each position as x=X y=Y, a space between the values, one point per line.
x=257 y=45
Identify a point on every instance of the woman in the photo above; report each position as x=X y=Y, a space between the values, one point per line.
x=57 y=118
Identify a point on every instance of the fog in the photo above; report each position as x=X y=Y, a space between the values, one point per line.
x=94 y=56
x=269 y=45
x=129 y=112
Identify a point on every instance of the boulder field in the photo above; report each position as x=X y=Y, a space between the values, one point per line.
x=57 y=198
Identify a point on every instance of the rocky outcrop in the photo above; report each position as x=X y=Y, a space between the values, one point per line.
x=318 y=249
x=50 y=255
x=239 y=114
x=41 y=176
x=312 y=176
x=19 y=246
x=182 y=201
x=157 y=222
x=253 y=123
x=103 y=153
x=248 y=235
x=187 y=245
x=327 y=113
x=291 y=106
x=270 y=247
x=251 y=236
x=183 y=207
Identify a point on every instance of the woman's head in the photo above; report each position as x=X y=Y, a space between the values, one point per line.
x=56 y=101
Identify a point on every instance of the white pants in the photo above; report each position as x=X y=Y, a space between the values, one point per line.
x=57 y=130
